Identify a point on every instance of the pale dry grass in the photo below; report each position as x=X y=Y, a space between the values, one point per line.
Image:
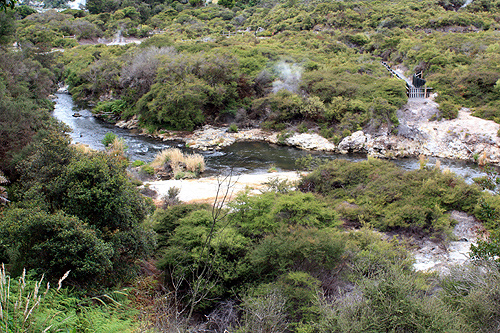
x=118 y=146
x=423 y=160
x=172 y=156
x=178 y=161
x=195 y=163
x=85 y=149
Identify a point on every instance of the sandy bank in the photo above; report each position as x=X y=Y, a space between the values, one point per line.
x=207 y=189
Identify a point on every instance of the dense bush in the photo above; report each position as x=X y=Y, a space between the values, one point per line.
x=389 y=198
x=448 y=110
x=108 y=212
x=472 y=290
x=393 y=301
x=270 y=212
x=53 y=244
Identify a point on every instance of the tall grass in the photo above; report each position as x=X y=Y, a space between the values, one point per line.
x=28 y=305
x=20 y=301
x=194 y=163
x=178 y=161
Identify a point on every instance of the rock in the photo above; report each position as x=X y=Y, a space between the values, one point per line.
x=431 y=256
x=354 y=143
x=310 y=142
x=129 y=124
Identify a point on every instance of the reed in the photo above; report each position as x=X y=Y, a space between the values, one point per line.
x=19 y=301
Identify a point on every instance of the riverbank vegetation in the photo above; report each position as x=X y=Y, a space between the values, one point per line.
x=173 y=163
x=272 y=64
x=316 y=257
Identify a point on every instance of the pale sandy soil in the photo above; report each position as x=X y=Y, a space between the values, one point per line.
x=207 y=189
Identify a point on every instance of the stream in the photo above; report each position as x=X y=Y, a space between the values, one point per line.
x=242 y=157
x=257 y=158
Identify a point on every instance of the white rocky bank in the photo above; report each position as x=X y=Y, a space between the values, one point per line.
x=465 y=138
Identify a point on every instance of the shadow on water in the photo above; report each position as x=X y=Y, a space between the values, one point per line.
x=242 y=157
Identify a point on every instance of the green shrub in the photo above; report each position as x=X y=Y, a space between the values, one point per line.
x=301 y=292
x=116 y=107
x=54 y=244
x=487 y=210
x=148 y=170
x=448 y=110
x=487 y=250
x=485 y=183
x=472 y=291
x=308 y=249
x=108 y=139
x=166 y=220
x=371 y=255
x=394 y=301
x=269 y=212
x=137 y=163
x=233 y=128
x=389 y=198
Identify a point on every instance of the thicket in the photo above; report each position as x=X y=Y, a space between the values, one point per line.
x=381 y=194
x=64 y=212
x=279 y=261
x=319 y=64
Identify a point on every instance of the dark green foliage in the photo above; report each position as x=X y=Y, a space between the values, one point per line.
x=297 y=240
x=94 y=188
x=487 y=210
x=53 y=244
x=307 y=249
x=111 y=108
x=187 y=89
x=4 y=4
x=487 y=250
x=371 y=256
x=389 y=198
x=301 y=292
x=168 y=219
x=7 y=27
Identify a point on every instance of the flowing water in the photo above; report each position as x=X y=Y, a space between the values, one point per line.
x=242 y=157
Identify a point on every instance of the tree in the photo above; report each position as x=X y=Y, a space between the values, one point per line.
x=93 y=187
x=7 y=27
x=4 y=4
x=53 y=244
